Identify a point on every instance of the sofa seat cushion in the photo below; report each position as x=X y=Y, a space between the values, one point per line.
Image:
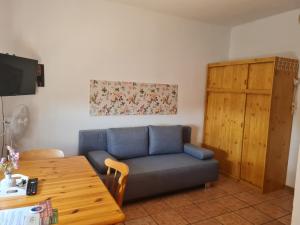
x=161 y=162
x=159 y=174
x=125 y=143
x=165 y=140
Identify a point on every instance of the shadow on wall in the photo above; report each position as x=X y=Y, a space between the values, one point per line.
x=23 y=48
x=194 y=135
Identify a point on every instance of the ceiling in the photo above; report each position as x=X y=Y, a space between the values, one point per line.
x=223 y=12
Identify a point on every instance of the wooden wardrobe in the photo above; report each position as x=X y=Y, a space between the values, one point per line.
x=248 y=118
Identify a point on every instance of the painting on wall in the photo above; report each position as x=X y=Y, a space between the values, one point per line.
x=130 y=98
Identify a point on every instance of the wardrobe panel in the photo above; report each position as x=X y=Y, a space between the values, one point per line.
x=255 y=138
x=233 y=77
x=215 y=77
x=261 y=76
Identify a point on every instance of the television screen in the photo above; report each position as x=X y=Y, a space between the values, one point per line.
x=17 y=75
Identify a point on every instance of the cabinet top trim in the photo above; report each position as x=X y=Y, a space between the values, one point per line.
x=251 y=61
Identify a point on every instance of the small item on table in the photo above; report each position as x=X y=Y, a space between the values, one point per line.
x=47 y=214
x=32 y=186
x=11 y=191
x=36 y=209
x=22 y=183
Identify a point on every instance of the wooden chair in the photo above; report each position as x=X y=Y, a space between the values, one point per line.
x=36 y=154
x=116 y=180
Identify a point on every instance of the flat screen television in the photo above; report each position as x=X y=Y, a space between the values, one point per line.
x=17 y=75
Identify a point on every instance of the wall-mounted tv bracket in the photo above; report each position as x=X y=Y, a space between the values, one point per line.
x=40 y=77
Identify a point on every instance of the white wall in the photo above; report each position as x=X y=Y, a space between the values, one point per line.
x=277 y=35
x=296 y=206
x=5 y=28
x=5 y=45
x=82 y=40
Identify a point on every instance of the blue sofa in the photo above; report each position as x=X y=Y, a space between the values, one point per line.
x=160 y=158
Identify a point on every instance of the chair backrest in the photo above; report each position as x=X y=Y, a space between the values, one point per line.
x=117 y=174
x=36 y=154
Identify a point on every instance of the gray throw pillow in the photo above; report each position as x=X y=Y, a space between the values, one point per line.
x=126 y=143
x=165 y=140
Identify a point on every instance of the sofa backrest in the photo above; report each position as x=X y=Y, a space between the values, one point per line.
x=91 y=140
x=128 y=142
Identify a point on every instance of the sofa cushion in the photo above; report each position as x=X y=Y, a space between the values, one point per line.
x=125 y=143
x=96 y=158
x=165 y=139
x=158 y=174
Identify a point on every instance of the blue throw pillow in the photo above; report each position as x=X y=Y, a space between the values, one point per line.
x=126 y=143
x=165 y=140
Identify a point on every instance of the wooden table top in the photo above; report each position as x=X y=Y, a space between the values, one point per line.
x=74 y=189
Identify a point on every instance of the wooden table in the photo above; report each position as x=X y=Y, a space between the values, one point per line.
x=74 y=189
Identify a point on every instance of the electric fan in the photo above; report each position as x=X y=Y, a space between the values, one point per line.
x=16 y=125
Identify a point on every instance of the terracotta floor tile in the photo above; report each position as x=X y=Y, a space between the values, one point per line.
x=156 y=205
x=208 y=222
x=223 y=178
x=228 y=200
x=232 y=203
x=141 y=221
x=254 y=216
x=287 y=220
x=232 y=219
x=272 y=210
x=203 y=195
x=252 y=198
x=169 y=218
x=199 y=195
x=177 y=200
x=274 y=222
x=133 y=211
x=233 y=187
x=213 y=208
x=191 y=213
x=281 y=193
x=284 y=202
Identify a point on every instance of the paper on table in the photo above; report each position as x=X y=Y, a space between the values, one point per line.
x=19 y=216
x=20 y=191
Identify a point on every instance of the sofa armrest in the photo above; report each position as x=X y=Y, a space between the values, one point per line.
x=197 y=152
x=97 y=159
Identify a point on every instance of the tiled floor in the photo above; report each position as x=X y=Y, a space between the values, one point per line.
x=226 y=203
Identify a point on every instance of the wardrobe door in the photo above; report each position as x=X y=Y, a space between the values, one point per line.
x=224 y=118
x=224 y=130
x=255 y=138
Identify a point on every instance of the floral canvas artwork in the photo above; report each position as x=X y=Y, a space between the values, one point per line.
x=130 y=98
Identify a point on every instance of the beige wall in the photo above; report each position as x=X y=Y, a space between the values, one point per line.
x=94 y=39
x=276 y=35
